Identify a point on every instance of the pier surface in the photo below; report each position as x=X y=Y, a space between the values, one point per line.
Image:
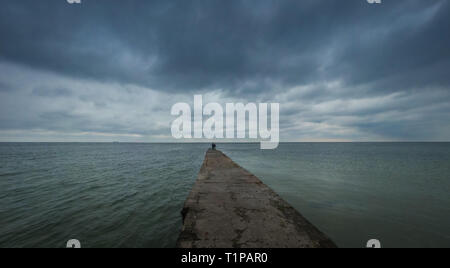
x=229 y=207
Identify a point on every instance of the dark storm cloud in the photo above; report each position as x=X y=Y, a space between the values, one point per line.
x=5 y=87
x=238 y=46
x=51 y=92
x=342 y=67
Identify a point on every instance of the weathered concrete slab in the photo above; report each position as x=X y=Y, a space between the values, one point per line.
x=231 y=208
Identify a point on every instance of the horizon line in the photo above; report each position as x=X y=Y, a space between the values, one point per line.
x=204 y=142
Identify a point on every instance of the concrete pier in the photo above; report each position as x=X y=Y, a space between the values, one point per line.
x=229 y=207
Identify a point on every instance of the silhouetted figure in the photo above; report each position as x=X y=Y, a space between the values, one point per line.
x=213 y=146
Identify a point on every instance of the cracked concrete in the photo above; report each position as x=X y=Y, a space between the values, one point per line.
x=229 y=207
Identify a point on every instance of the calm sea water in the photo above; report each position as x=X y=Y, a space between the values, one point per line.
x=130 y=195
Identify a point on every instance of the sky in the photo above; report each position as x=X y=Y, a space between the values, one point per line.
x=110 y=70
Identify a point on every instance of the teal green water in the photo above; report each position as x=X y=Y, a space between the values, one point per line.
x=130 y=195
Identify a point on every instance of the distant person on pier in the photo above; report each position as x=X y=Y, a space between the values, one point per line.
x=214 y=146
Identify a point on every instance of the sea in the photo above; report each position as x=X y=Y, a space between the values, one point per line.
x=131 y=194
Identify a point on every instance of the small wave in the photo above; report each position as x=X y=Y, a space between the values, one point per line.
x=11 y=174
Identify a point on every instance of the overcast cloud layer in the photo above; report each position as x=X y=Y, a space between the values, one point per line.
x=109 y=70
